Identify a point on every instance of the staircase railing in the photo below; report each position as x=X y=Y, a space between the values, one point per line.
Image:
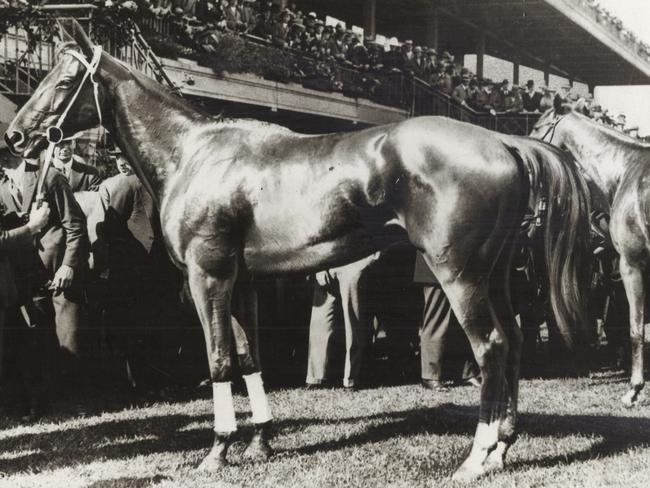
x=21 y=68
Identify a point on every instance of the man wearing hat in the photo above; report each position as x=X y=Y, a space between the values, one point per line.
x=140 y=276
x=460 y=93
x=498 y=96
x=280 y=29
x=248 y=15
x=531 y=97
x=232 y=16
x=513 y=102
x=16 y=243
x=60 y=259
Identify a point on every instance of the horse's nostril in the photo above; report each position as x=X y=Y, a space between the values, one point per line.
x=15 y=138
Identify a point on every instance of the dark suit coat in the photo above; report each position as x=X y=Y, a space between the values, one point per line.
x=10 y=242
x=531 y=103
x=63 y=240
x=123 y=197
x=83 y=177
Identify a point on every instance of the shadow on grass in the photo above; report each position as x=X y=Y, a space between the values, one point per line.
x=177 y=433
x=128 y=482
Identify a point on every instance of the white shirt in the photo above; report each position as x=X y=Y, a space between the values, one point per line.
x=64 y=168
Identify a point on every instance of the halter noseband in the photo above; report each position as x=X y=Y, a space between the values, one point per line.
x=54 y=133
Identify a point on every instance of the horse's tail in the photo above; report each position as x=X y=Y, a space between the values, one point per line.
x=561 y=197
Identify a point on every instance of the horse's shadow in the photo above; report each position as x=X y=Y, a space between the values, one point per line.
x=120 y=439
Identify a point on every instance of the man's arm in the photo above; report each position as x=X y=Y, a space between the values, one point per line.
x=21 y=237
x=15 y=238
x=72 y=220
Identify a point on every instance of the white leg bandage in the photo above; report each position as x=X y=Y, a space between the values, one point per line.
x=224 y=408
x=259 y=403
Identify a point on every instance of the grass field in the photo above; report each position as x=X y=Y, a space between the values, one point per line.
x=574 y=432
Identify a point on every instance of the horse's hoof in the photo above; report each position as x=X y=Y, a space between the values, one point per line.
x=632 y=398
x=210 y=464
x=494 y=462
x=258 y=451
x=467 y=473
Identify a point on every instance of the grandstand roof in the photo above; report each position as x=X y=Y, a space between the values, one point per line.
x=564 y=36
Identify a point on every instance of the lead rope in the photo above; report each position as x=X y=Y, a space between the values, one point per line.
x=54 y=133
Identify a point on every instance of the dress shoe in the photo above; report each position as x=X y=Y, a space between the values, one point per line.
x=435 y=385
x=473 y=381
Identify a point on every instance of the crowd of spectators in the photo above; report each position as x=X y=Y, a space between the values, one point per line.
x=605 y=17
x=335 y=45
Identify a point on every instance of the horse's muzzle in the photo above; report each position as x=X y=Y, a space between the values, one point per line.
x=14 y=140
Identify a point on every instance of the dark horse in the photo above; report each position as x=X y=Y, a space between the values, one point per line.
x=244 y=197
x=620 y=166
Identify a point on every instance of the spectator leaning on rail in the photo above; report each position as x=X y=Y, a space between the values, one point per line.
x=512 y=101
x=460 y=93
x=531 y=97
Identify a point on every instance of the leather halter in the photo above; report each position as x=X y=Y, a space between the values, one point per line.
x=551 y=129
x=54 y=133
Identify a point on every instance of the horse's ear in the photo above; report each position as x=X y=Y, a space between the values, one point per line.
x=70 y=30
x=560 y=106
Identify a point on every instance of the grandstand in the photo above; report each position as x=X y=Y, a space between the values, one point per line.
x=292 y=83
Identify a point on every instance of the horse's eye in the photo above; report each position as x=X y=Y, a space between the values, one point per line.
x=64 y=85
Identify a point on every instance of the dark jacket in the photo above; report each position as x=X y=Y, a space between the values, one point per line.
x=531 y=103
x=63 y=240
x=83 y=177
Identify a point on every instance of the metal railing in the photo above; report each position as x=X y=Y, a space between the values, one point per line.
x=22 y=68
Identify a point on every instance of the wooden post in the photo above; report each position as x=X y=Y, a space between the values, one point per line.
x=547 y=74
x=370 y=17
x=480 y=56
x=431 y=26
x=515 y=70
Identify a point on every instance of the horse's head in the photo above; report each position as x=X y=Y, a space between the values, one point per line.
x=545 y=128
x=64 y=102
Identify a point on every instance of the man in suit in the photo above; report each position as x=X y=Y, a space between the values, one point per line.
x=141 y=281
x=340 y=300
x=80 y=176
x=15 y=240
x=62 y=245
x=531 y=97
x=441 y=336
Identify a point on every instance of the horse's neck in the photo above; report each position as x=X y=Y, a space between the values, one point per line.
x=150 y=126
x=603 y=155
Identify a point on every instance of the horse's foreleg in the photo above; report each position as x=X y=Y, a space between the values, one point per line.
x=212 y=297
x=247 y=345
x=632 y=277
x=470 y=302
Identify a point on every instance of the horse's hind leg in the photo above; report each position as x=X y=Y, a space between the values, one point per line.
x=501 y=302
x=633 y=281
x=247 y=346
x=212 y=295
x=471 y=303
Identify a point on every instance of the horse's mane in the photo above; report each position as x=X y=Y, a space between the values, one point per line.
x=613 y=135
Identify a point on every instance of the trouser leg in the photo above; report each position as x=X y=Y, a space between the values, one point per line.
x=435 y=323
x=321 y=333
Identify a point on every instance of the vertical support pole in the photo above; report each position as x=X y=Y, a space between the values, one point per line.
x=480 y=56
x=432 y=28
x=370 y=17
x=515 y=70
x=547 y=73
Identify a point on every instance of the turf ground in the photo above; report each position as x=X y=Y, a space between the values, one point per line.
x=574 y=432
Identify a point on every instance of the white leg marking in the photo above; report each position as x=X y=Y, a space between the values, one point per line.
x=259 y=403
x=224 y=408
